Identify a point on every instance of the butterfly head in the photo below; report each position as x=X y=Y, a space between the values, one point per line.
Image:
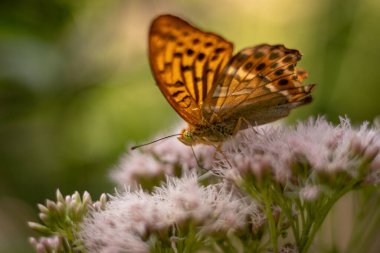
x=187 y=137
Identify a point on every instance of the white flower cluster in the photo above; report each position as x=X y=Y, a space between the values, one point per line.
x=132 y=219
x=316 y=149
x=154 y=162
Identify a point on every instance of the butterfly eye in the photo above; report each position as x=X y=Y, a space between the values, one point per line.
x=187 y=135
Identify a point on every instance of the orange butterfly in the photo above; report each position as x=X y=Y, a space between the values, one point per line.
x=216 y=93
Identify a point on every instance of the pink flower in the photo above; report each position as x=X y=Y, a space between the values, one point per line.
x=131 y=218
x=155 y=161
x=324 y=149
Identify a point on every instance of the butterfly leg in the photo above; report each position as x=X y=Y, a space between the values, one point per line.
x=239 y=123
x=218 y=150
x=196 y=159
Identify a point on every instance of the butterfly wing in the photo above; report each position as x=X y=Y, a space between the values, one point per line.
x=185 y=61
x=259 y=84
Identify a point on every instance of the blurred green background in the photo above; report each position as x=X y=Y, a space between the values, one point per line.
x=76 y=88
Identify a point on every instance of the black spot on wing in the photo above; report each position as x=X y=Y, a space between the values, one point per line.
x=177 y=84
x=208 y=44
x=248 y=66
x=279 y=72
x=219 y=50
x=175 y=94
x=261 y=66
x=190 y=52
x=196 y=41
x=201 y=56
x=186 y=68
x=283 y=82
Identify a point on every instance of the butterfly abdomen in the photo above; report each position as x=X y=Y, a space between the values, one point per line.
x=213 y=133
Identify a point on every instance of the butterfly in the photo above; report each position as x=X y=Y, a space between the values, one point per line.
x=218 y=93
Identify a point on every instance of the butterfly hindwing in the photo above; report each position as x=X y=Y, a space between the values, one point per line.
x=185 y=62
x=257 y=81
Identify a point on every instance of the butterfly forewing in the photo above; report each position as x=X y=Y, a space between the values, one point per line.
x=256 y=79
x=185 y=62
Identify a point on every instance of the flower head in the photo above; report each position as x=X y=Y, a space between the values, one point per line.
x=47 y=244
x=315 y=148
x=60 y=221
x=149 y=165
x=138 y=216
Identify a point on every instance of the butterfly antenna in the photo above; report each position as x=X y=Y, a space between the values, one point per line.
x=208 y=172
x=145 y=144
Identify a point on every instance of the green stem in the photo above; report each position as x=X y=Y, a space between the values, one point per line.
x=272 y=224
x=295 y=224
x=191 y=242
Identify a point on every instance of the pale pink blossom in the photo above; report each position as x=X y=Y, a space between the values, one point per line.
x=46 y=244
x=323 y=148
x=130 y=218
x=310 y=192
x=174 y=152
x=121 y=225
x=136 y=165
x=166 y=157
